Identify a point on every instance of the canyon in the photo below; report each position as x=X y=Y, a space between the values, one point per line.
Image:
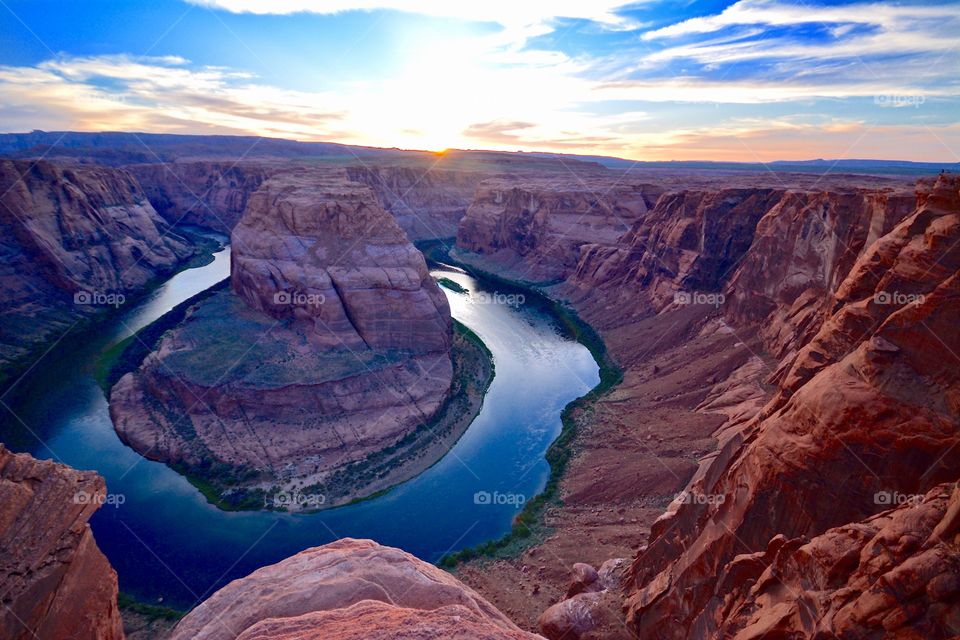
x=772 y=451
x=787 y=335
x=77 y=241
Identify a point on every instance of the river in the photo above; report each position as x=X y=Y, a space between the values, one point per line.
x=170 y=546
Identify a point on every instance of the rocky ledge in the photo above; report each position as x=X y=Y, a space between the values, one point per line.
x=322 y=373
x=347 y=590
x=54 y=581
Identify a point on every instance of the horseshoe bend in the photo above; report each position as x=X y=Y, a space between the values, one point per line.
x=406 y=320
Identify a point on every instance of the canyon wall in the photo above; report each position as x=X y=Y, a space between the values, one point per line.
x=54 y=581
x=828 y=394
x=866 y=408
x=893 y=575
x=428 y=203
x=533 y=229
x=333 y=344
x=76 y=241
x=203 y=193
x=347 y=590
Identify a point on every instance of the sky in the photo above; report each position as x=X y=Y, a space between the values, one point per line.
x=744 y=80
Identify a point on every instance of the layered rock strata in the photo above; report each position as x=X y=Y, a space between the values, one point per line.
x=75 y=240
x=867 y=392
x=428 y=203
x=533 y=229
x=203 y=193
x=54 y=581
x=333 y=344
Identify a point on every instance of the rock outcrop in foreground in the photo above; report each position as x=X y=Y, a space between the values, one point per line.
x=347 y=590
x=75 y=241
x=333 y=345
x=54 y=581
x=896 y=574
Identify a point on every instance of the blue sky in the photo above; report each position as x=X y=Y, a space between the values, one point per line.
x=746 y=80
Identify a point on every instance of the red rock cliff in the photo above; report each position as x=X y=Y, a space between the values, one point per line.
x=65 y=231
x=203 y=193
x=54 y=581
x=534 y=228
x=868 y=407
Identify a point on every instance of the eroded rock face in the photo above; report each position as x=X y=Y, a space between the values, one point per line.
x=203 y=193
x=319 y=238
x=896 y=574
x=54 y=581
x=535 y=229
x=349 y=589
x=84 y=231
x=428 y=203
x=805 y=246
x=333 y=344
x=867 y=408
x=832 y=394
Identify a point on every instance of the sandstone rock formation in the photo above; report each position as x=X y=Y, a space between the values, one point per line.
x=866 y=407
x=893 y=575
x=324 y=239
x=428 y=203
x=333 y=345
x=535 y=228
x=809 y=364
x=591 y=608
x=54 y=581
x=83 y=231
x=349 y=589
x=204 y=193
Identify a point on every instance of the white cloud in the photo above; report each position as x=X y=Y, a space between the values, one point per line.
x=499 y=11
x=779 y=13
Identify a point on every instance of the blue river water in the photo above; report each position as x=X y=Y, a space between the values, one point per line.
x=170 y=546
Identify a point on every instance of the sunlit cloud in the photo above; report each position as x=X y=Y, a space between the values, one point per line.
x=499 y=11
x=887 y=16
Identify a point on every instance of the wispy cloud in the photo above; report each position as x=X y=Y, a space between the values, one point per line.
x=499 y=11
